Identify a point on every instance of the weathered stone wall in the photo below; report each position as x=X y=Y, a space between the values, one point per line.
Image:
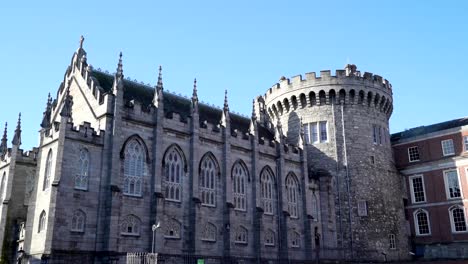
x=351 y=167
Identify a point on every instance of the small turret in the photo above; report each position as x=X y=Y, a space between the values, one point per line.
x=3 y=144
x=17 y=137
x=46 y=115
x=350 y=69
x=225 y=112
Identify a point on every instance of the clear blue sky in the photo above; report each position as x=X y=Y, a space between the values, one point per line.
x=421 y=47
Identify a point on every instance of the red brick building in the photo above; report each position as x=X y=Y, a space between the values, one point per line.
x=434 y=161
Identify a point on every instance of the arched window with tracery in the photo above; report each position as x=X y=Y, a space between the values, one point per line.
x=134 y=168
x=295 y=239
x=78 y=221
x=42 y=222
x=174 y=170
x=48 y=171
x=130 y=226
x=239 y=178
x=269 y=238
x=3 y=186
x=209 y=232
x=267 y=190
x=81 y=178
x=241 y=235
x=292 y=190
x=172 y=229
x=207 y=180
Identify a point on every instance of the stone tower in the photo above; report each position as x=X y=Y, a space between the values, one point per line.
x=345 y=121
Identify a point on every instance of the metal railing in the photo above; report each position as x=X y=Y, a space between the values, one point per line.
x=142 y=258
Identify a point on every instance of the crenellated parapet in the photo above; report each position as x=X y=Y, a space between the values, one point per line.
x=85 y=132
x=347 y=86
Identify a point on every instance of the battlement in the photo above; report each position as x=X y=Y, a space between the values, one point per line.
x=85 y=132
x=348 y=75
x=347 y=86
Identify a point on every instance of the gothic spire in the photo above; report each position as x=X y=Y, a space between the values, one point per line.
x=253 y=120
x=226 y=105
x=225 y=112
x=194 y=96
x=254 y=115
x=119 y=73
x=194 y=93
x=160 y=82
x=46 y=115
x=3 y=144
x=17 y=137
x=158 y=95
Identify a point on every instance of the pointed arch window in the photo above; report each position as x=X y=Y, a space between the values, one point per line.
x=3 y=186
x=42 y=222
x=172 y=229
x=207 y=181
x=173 y=168
x=241 y=235
x=209 y=232
x=239 y=178
x=292 y=190
x=295 y=240
x=130 y=226
x=78 y=221
x=267 y=191
x=134 y=168
x=48 y=171
x=269 y=239
x=81 y=178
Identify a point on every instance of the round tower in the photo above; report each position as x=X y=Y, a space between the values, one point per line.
x=345 y=121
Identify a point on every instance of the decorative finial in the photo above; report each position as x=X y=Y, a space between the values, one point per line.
x=46 y=115
x=254 y=115
x=278 y=132
x=17 y=137
x=226 y=105
x=120 y=67
x=160 y=82
x=81 y=41
x=300 y=143
x=195 y=92
x=3 y=144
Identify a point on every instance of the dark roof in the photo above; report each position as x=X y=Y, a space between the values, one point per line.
x=422 y=130
x=176 y=104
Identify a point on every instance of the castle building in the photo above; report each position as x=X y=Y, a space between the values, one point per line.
x=434 y=161
x=310 y=170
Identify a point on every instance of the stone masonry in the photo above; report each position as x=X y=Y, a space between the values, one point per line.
x=116 y=157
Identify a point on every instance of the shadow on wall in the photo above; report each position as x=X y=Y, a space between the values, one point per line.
x=294 y=127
